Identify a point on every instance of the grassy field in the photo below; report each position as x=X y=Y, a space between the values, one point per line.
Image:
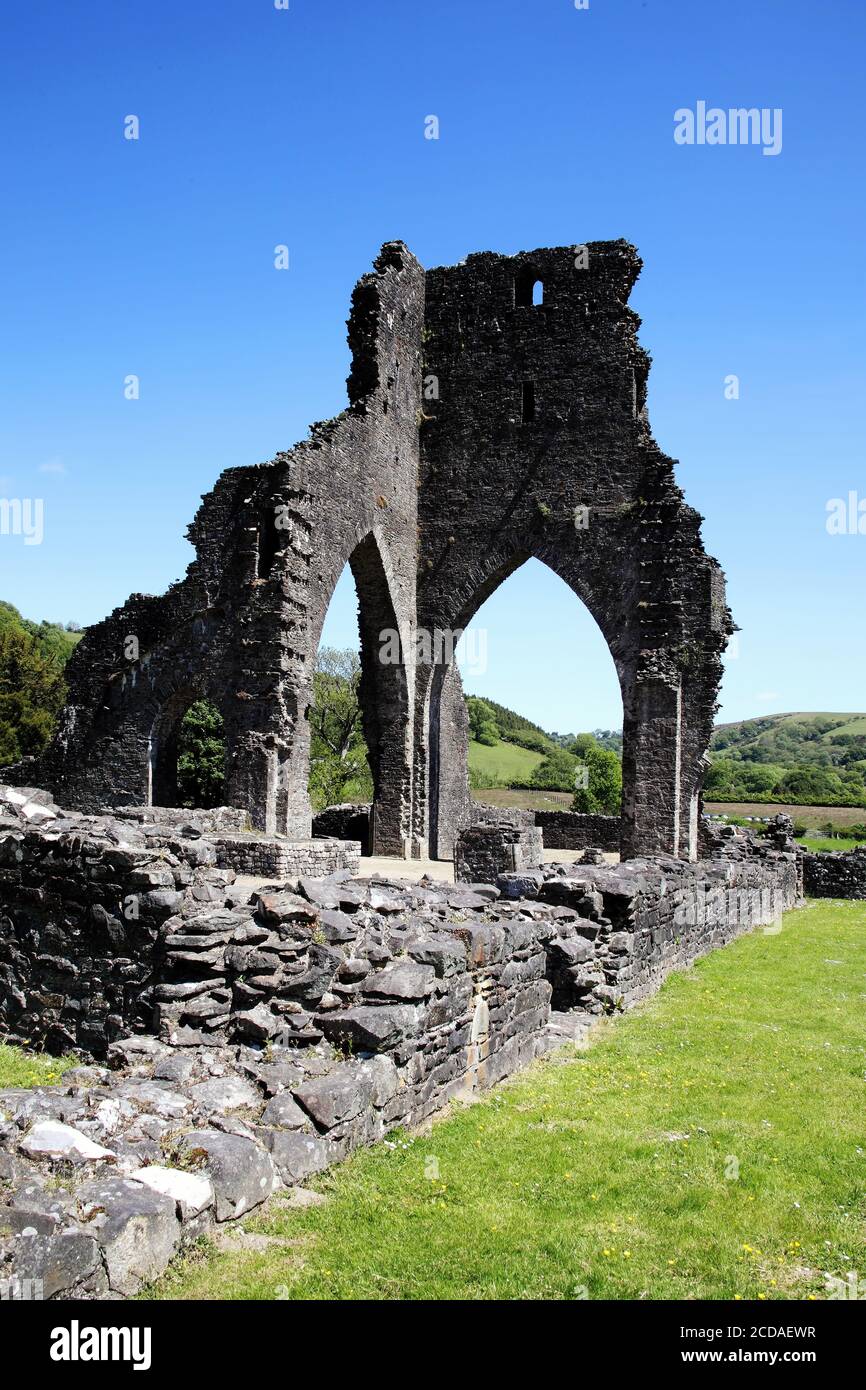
x=708 y=1145
x=813 y=817
x=522 y=799
x=503 y=762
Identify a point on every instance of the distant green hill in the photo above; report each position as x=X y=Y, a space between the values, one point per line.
x=514 y=728
x=800 y=758
x=808 y=759
x=54 y=641
x=820 y=739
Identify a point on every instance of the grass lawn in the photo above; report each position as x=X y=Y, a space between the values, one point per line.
x=19 y=1068
x=710 y=1144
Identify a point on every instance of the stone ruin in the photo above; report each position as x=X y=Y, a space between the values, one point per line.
x=237 y=1039
x=237 y=1042
x=482 y=429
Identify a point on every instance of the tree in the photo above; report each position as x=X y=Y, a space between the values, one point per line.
x=201 y=751
x=483 y=726
x=32 y=693
x=339 y=764
x=555 y=772
x=602 y=795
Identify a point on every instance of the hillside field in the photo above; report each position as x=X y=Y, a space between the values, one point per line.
x=503 y=762
x=749 y=730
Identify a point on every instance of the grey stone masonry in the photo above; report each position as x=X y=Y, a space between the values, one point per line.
x=828 y=875
x=348 y=821
x=253 y=1040
x=275 y=858
x=485 y=851
x=483 y=429
x=573 y=830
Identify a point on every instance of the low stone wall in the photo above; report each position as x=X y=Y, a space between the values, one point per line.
x=348 y=821
x=262 y=857
x=173 y=818
x=571 y=830
x=483 y=852
x=83 y=899
x=828 y=875
x=640 y=920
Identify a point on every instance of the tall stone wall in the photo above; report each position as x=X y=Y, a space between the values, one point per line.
x=482 y=430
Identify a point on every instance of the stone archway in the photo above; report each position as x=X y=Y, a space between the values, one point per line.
x=440 y=694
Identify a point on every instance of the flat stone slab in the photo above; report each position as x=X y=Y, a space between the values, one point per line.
x=49 y=1139
x=191 y=1192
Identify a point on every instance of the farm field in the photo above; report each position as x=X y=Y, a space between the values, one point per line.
x=522 y=799
x=813 y=817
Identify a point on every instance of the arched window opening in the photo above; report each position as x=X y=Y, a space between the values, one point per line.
x=528 y=406
x=359 y=711
x=528 y=290
x=188 y=755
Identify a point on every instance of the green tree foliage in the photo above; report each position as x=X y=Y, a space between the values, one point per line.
x=555 y=772
x=602 y=795
x=483 y=726
x=32 y=689
x=201 y=757
x=339 y=764
x=514 y=728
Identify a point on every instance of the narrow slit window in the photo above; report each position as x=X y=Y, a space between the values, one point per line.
x=528 y=402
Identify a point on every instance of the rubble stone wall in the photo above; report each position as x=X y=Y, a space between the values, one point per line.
x=572 y=830
x=835 y=875
x=253 y=1040
x=348 y=821
x=485 y=851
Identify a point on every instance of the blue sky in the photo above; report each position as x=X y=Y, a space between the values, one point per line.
x=306 y=127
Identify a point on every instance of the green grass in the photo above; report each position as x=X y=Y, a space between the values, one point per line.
x=20 y=1068
x=503 y=762
x=710 y=1144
